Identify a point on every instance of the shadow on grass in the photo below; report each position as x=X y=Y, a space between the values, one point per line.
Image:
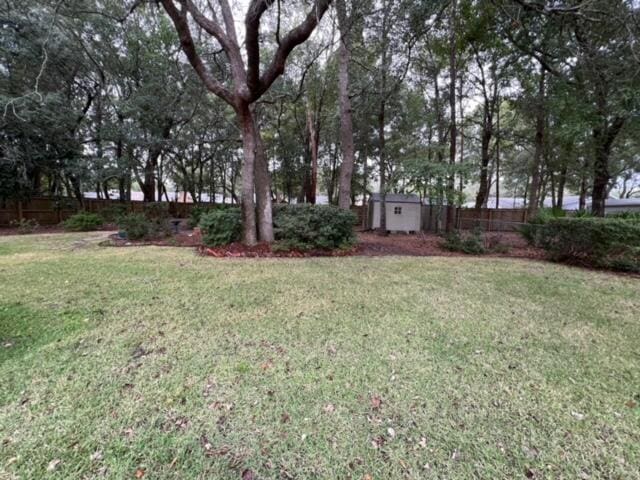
x=24 y=329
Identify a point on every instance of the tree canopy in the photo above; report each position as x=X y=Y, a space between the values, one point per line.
x=255 y=102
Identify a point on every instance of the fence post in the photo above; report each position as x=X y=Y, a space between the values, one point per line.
x=489 y=226
x=19 y=209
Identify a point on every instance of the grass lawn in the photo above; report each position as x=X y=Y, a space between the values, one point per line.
x=155 y=363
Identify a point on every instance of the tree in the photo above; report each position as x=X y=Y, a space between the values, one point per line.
x=248 y=84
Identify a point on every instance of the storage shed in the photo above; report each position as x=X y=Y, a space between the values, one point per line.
x=403 y=212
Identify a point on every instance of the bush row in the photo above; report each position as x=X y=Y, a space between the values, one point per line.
x=610 y=242
x=296 y=227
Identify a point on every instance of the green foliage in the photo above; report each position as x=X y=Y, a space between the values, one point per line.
x=111 y=213
x=198 y=210
x=599 y=242
x=634 y=216
x=137 y=226
x=582 y=214
x=156 y=210
x=221 y=226
x=471 y=242
x=83 y=222
x=25 y=226
x=308 y=227
x=530 y=230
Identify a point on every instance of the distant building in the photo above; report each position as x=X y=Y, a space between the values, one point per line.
x=570 y=203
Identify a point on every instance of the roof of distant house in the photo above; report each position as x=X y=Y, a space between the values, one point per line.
x=396 y=198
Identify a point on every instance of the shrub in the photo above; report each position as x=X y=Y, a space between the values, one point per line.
x=530 y=230
x=137 y=226
x=635 y=216
x=156 y=210
x=598 y=242
x=221 y=226
x=308 y=227
x=83 y=222
x=198 y=210
x=25 y=226
x=582 y=214
x=471 y=243
x=112 y=213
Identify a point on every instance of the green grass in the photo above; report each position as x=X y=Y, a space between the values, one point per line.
x=117 y=360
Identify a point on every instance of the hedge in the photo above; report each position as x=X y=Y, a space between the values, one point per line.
x=296 y=227
x=599 y=242
x=310 y=227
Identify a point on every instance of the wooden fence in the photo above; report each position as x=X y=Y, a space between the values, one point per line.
x=51 y=211
x=434 y=218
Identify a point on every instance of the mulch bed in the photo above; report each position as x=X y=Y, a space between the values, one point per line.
x=265 y=250
x=428 y=245
x=370 y=244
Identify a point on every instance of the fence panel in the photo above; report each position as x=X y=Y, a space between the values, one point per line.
x=51 y=211
x=434 y=218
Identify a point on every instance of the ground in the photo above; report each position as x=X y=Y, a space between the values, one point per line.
x=153 y=362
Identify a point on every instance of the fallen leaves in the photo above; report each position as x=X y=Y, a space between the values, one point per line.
x=376 y=402
x=248 y=475
x=378 y=442
x=96 y=456
x=53 y=465
x=329 y=408
x=140 y=472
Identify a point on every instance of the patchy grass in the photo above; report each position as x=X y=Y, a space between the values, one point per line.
x=131 y=361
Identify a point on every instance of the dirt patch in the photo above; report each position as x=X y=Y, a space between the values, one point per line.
x=45 y=229
x=184 y=238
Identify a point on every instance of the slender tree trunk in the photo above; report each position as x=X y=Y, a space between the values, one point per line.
x=313 y=148
x=539 y=147
x=603 y=138
x=346 y=124
x=381 y=124
x=453 y=132
x=383 y=169
x=498 y=154
x=562 y=180
x=485 y=158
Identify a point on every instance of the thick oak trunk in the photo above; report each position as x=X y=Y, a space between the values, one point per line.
x=255 y=173
x=250 y=235
x=346 y=123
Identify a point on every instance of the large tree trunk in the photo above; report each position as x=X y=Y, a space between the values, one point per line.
x=255 y=173
x=249 y=146
x=263 y=191
x=148 y=186
x=536 y=173
x=346 y=124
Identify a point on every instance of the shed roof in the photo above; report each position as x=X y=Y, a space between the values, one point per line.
x=396 y=198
